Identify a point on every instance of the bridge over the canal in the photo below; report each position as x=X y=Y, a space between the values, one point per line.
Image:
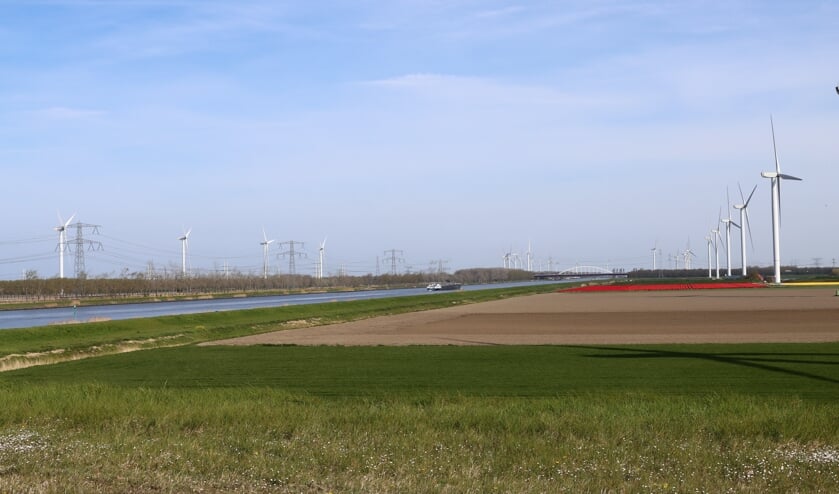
x=588 y=272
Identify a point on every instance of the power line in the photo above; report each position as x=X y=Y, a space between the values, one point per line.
x=439 y=266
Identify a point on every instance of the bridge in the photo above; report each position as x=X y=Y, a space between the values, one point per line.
x=588 y=272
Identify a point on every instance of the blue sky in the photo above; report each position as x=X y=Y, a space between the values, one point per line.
x=454 y=130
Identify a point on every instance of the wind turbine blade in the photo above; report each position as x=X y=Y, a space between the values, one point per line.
x=727 y=202
x=746 y=204
x=264 y=236
x=749 y=229
x=742 y=199
x=187 y=233
x=780 y=198
x=69 y=220
x=788 y=177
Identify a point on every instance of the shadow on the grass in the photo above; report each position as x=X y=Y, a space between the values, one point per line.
x=752 y=360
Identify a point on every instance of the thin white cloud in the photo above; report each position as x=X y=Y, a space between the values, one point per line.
x=67 y=113
x=501 y=12
x=487 y=91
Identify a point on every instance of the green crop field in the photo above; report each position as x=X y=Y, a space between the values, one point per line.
x=808 y=371
x=674 y=418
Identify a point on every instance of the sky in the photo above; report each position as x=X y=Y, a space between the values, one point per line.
x=454 y=131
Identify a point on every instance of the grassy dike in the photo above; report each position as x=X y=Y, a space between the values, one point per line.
x=641 y=418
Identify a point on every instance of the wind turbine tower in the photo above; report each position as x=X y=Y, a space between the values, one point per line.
x=184 y=246
x=265 y=245
x=744 y=219
x=529 y=257
x=654 y=251
x=62 y=241
x=775 y=180
x=728 y=222
x=321 y=254
x=716 y=233
x=708 y=240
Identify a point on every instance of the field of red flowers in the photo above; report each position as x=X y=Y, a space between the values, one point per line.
x=660 y=287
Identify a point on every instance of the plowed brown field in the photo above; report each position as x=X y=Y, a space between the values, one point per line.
x=689 y=316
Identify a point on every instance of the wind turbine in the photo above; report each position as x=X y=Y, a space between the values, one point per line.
x=508 y=258
x=716 y=233
x=184 y=241
x=744 y=219
x=728 y=222
x=265 y=243
x=654 y=249
x=321 y=258
x=708 y=240
x=688 y=254
x=62 y=241
x=775 y=178
x=529 y=257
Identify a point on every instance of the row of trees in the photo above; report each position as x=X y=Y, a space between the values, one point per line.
x=137 y=284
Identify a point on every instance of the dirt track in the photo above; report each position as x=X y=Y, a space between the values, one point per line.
x=694 y=316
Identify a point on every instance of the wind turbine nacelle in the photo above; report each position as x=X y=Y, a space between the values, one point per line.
x=837 y=89
x=769 y=174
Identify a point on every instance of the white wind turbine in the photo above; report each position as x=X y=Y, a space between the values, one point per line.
x=716 y=234
x=321 y=255
x=508 y=258
x=62 y=241
x=728 y=222
x=184 y=241
x=529 y=257
x=655 y=250
x=265 y=243
x=708 y=240
x=776 y=178
x=688 y=254
x=744 y=219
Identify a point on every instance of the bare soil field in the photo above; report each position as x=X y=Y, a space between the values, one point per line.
x=687 y=316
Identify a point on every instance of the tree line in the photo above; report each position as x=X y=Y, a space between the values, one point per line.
x=139 y=285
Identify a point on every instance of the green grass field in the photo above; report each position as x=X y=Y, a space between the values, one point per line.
x=676 y=418
x=809 y=371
